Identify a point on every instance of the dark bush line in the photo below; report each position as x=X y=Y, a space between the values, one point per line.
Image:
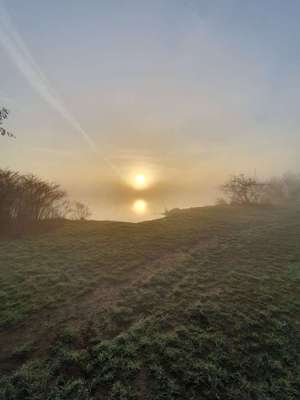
x=29 y=204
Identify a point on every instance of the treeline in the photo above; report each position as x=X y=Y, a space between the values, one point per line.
x=26 y=200
x=245 y=190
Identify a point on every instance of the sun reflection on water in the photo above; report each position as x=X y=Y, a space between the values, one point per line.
x=140 y=206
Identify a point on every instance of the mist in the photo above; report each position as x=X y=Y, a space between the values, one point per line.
x=101 y=92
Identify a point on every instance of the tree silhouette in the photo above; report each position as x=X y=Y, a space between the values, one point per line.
x=243 y=190
x=3 y=115
x=80 y=211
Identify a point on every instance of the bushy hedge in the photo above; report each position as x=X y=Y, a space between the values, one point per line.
x=27 y=199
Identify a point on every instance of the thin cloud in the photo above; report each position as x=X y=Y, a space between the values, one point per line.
x=17 y=49
x=15 y=46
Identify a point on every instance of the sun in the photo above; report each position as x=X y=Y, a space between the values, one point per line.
x=140 y=178
x=140 y=206
x=140 y=181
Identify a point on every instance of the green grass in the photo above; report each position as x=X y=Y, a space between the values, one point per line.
x=201 y=305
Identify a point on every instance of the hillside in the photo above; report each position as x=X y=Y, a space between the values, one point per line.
x=200 y=305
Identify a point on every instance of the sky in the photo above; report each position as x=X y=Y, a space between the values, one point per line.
x=184 y=93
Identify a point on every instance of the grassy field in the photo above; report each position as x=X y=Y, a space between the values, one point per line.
x=201 y=305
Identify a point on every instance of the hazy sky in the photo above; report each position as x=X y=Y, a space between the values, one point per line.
x=185 y=92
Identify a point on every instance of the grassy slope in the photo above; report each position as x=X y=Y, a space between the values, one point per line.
x=203 y=305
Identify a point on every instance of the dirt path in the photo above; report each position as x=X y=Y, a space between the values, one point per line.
x=45 y=325
x=42 y=328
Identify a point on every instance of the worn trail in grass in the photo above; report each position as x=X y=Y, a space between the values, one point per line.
x=41 y=325
x=205 y=303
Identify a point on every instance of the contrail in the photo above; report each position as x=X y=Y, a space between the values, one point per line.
x=13 y=43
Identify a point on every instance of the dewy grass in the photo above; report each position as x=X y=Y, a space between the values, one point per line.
x=201 y=305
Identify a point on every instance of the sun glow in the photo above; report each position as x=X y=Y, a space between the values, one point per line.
x=141 y=178
x=140 y=182
x=140 y=206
